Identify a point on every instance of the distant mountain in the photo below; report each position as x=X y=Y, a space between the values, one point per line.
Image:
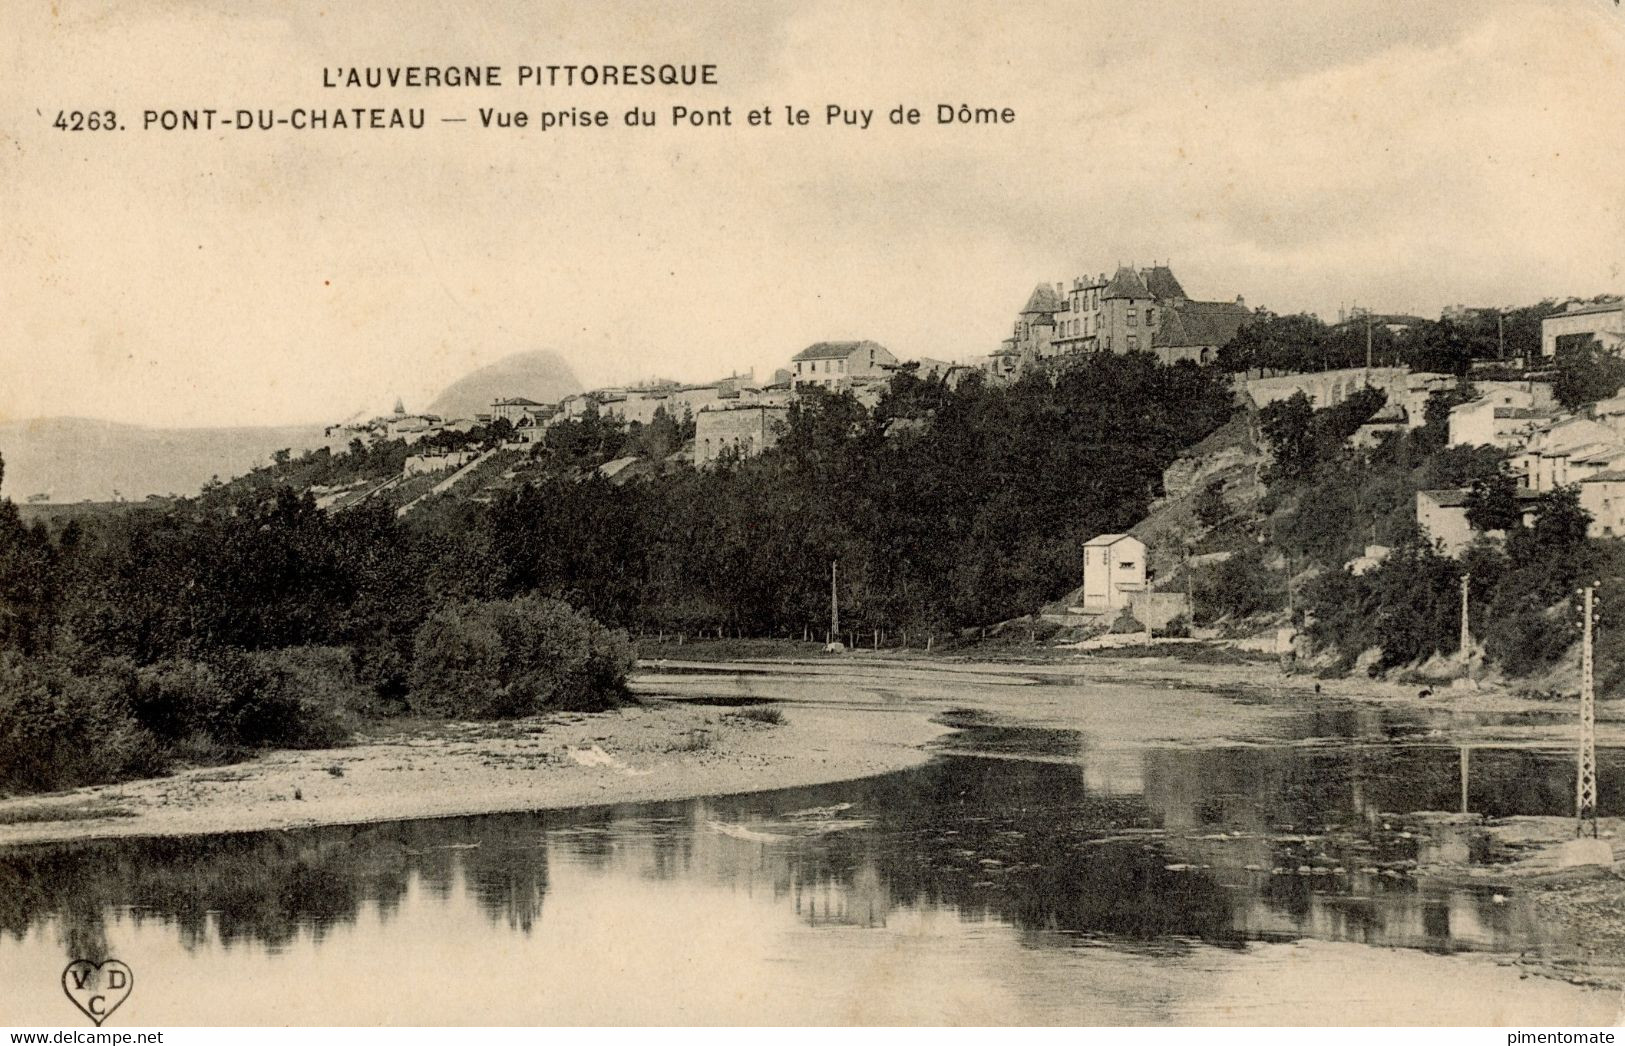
x=75 y=459
x=541 y=375
x=79 y=459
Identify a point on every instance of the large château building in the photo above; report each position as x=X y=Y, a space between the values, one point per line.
x=1145 y=310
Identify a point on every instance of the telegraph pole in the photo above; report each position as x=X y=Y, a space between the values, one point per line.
x=1585 y=801
x=834 y=607
x=1368 y=348
x=1466 y=631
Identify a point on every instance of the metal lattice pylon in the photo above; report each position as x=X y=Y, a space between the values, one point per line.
x=1585 y=805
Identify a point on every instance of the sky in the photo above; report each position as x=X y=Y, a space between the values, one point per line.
x=1304 y=155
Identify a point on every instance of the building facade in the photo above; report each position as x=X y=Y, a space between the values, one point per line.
x=1033 y=336
x=512 y=408
x=1114 y=569
x=836 y=365
x=1144 y=310
x=1505 y=414
x=1603 y=495
x=1604 y=322
x=1442 y=517
x=743 y=430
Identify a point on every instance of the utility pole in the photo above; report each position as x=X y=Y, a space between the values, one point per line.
x=1585 y=798
x=1466 y=632
x=834 y=607
x=1368 y=348
x=1466 y=754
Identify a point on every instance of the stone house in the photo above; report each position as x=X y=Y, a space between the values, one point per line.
x=1442 y=517
x=1566 y=453
x=1505 y=414
x=837 y=365
x=744 y=429
x=1604 y=322
x=1603 y=495
x=512 y=408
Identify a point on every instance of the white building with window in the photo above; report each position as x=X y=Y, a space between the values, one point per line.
x=1113 y=571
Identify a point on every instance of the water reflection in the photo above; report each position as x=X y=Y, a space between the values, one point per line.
x=269 y=887
x=1188 y=850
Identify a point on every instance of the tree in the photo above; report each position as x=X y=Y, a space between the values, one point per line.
x=516 y=657
x=1275 y=344
x=1239 y=587
x=1211 y=508
x=1447 y=347
x=1492 y=503
x=1586 y=374
x=1289 y=428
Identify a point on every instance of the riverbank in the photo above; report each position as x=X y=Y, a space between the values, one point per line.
x=711 y=727
x=843 y=717
x=651 y=750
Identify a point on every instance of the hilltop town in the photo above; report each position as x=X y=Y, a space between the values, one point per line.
x=1384 y=495
x=1458 y=373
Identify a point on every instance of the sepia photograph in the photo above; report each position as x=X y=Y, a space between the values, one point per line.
x=800 y=513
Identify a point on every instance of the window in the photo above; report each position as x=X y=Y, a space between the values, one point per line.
x=1151 y=317
x=1133 y=342
x=1133 y=318
x=1127 y=564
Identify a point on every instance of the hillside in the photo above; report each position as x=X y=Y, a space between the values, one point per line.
x=1227 y=460
x=541 y=375
x=75 y=459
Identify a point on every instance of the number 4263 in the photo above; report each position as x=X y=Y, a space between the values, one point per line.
x=78 y=120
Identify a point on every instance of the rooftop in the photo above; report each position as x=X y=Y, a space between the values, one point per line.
x=1043 y=300
x=834 y=350
x=1583 y=310
x=1200 y=323
x=1160 y=281
x=1126 y=284
x=1447 y=498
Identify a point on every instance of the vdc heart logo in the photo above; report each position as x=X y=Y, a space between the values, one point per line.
x=97 y=988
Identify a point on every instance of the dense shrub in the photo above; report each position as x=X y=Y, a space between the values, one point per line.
x=63 y=729
x=495 y=659
x=255 y=700
x=65 y=723
x=1240 y=586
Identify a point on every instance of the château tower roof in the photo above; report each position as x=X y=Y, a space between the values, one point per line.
x=1160 y=281
x=1044 y=301
x=1126 y=284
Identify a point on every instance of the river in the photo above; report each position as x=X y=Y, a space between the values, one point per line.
x=1024 y=876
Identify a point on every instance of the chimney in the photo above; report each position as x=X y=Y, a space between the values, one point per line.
x=1242 y=302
